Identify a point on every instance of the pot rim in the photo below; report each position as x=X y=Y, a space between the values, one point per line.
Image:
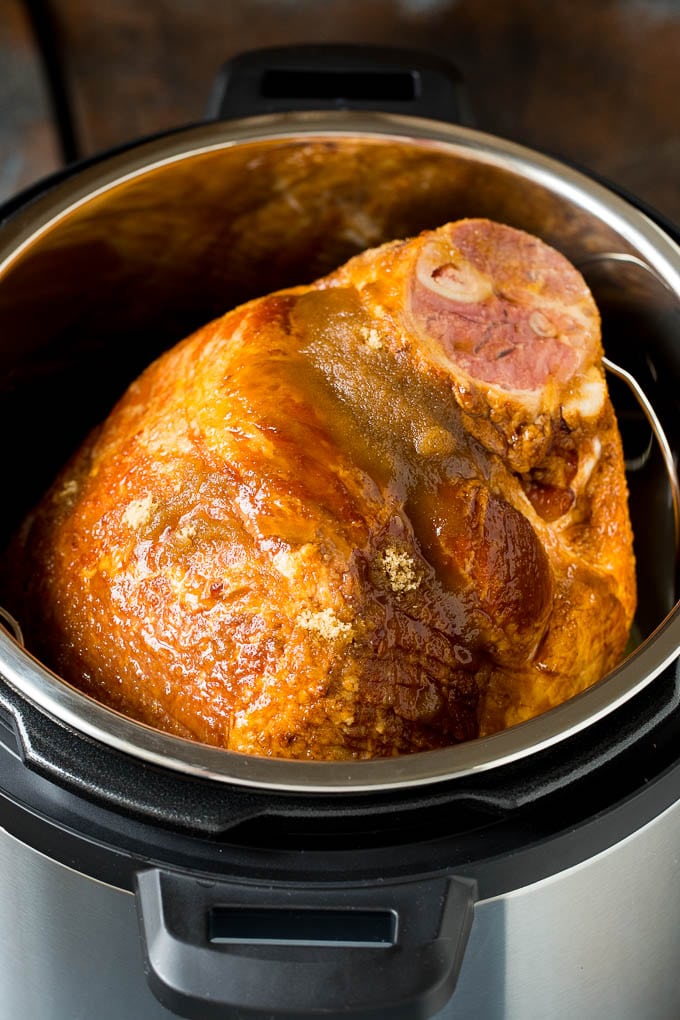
x=65 y=704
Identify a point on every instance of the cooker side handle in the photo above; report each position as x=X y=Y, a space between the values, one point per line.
x=240 y=950
x=339 y=77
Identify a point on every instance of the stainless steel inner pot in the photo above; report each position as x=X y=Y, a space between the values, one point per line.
x=109 y=267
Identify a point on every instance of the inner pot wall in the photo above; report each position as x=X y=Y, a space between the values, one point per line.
x=108 y=269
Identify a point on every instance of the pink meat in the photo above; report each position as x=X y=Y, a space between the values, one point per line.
x=505 y=307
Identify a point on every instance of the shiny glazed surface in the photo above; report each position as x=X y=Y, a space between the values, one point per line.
x=379 y=514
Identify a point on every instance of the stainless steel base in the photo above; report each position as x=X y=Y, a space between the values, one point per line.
x=602 y=939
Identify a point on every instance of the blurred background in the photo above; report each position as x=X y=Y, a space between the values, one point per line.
x=594 y=81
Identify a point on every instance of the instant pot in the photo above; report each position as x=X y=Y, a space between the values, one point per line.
x=531 y=874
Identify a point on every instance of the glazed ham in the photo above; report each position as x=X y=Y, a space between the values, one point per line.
x=376 y=515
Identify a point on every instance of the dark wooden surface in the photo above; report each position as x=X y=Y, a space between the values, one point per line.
x=594 y=81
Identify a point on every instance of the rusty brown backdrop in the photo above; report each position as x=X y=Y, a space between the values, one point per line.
x=594 y=81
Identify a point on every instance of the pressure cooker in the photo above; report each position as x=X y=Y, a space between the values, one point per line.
x=530 y=874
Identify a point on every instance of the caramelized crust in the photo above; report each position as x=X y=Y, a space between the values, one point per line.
x=376 y=515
